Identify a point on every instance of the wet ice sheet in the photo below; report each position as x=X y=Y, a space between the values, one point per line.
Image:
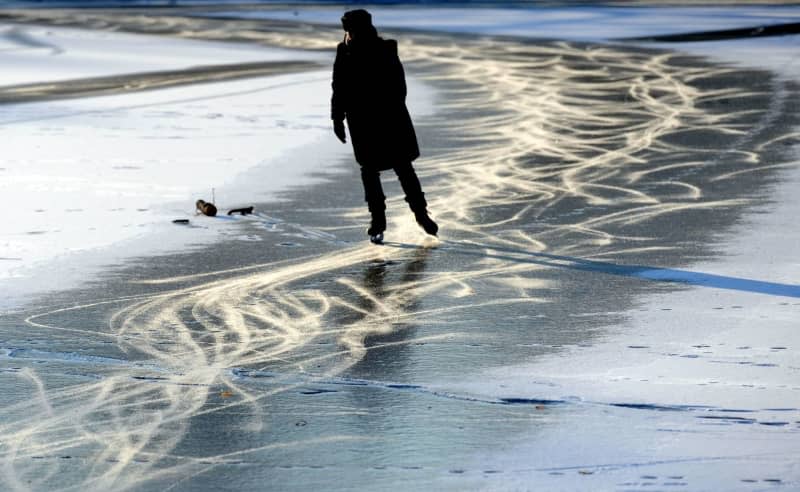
x=692 y=383
x=690 y=378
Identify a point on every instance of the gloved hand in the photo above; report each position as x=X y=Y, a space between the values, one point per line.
x=338 y=129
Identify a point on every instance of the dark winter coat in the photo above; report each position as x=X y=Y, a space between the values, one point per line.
x=369 y=89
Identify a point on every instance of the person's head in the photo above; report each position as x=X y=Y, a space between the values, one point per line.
x=358 y=24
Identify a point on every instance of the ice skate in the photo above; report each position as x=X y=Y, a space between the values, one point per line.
x=376 y=238
x=377 y=226
x=426 y=222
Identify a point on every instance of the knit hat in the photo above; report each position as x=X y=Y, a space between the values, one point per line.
x=357 y=21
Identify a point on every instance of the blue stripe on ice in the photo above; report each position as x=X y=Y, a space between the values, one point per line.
x=677 y=276
x=721 y=282
x=686 y=277
x=637 y=271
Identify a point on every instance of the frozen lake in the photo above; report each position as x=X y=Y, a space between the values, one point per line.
x=612 y=304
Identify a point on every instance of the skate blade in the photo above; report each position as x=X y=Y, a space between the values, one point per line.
x=376 y=239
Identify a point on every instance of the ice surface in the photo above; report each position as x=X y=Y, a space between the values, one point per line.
x=87 y=173
x=46 y=54
x=686 y=389
x=577 y=23
x=691 y=377
x=81 y=175
x=694 y=376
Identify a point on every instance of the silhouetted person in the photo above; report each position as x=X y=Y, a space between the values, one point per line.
x=369 y=90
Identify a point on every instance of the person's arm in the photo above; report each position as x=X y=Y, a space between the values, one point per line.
x=397 y=74
x=338 y=103
x=338 y=85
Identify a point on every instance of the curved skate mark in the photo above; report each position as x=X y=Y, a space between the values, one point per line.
x=662 y=408
x=72 y=357
x=270 y=377
x=529 y=401
x=21 y=37
x=195 y=334
x=279 y=225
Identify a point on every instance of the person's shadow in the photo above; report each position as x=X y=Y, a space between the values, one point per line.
x=387 y=352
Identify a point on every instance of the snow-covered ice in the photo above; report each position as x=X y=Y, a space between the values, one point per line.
x=49 y=54
x=95 y=180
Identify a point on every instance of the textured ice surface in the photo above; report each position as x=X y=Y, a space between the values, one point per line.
x=498 y=360
x=577 y=23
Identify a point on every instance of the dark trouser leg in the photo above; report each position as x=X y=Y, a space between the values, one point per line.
x=415 y=197
x=411 y=187
x=376 y=200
